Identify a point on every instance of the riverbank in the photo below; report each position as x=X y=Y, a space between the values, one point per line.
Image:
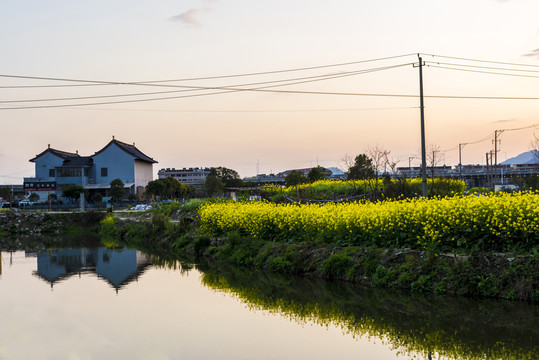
x=179 y=233
x=507 y=275
x=36 y=229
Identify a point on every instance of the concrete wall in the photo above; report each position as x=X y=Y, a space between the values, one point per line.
x=143 y=173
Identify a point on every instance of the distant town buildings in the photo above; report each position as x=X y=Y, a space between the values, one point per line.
x=279 y=178
x=55 y=169
x=188 y=176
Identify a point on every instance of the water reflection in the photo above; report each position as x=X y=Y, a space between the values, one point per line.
x=117 y=267
x=178 y=313
x=428 y=327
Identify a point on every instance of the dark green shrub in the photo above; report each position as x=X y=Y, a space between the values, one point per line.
x=487 y=286
x=422 y=283
x=383 y=276
x=180 y=243
x=201 y=244
x=280 y=265
x=337 y=265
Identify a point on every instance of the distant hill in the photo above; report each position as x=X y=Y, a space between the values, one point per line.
x=528 y=157
x=335 y=171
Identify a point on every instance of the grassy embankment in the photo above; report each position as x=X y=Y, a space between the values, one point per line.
x=466 y=245
x=34 y=230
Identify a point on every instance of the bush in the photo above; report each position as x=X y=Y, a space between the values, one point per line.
x=280 y=265
x=337 y=265
x=201 y=244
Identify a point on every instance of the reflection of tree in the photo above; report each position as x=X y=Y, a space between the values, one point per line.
x=451 y=327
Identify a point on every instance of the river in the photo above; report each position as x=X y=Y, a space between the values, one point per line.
x=102 y=303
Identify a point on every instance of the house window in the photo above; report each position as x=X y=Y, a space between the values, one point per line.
x=104 y=172
x=69 y=172
x=51 y=172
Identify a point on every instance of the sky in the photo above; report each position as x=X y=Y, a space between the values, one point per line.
x=318 y=116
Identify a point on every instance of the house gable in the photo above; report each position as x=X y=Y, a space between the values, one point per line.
x=48 y=160
x=112 y=162
x=129 y=149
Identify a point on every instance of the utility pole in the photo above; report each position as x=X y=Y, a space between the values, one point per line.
x=487 y=172
x=492 y=171
x=410 y=158
x=423 y=147
x=496 y=132
x=460 y=159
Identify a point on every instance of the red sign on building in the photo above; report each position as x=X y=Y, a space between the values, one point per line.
x=40 y=186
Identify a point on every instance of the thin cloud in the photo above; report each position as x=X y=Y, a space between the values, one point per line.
x=191 y=17
x=504 y=121
x=534 y=54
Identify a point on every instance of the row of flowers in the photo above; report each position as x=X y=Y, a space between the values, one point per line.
x=493 y=222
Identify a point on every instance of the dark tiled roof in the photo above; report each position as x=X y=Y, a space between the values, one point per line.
x=78 y=161
x=61 y=154
x=130 y=149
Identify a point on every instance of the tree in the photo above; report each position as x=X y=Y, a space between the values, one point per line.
x=362 y=168
x=229 y=177
x=156 y=188
x=6 y=194
x=33 y=197
x=97 y=198
x=379 y=157
x=52 y=197
x=316 y=173
x=213 y=185
x=117 y=190
x=188 y=191
x=435 y=157
x=295 y=178
x=73 y=191
x=169 y=188
x=173 y=188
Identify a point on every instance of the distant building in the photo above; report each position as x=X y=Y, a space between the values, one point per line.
x=263 y=179
x=304 y=171
x=55 y=169
x=188 y=176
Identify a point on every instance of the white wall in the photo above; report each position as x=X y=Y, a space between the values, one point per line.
x=143 y=173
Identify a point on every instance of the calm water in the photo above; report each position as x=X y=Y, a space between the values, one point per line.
x=121 y=304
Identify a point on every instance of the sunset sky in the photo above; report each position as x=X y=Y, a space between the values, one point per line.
x=199 y=42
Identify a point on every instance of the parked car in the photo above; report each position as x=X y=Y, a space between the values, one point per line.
x=26 y=202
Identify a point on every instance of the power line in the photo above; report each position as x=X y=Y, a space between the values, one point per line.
x=311 y=78
x=304 y=92
x=202 y=78
x=479 y=141
x=224 y=90
x=48 y=86
x=482 y=67
x=482 y=72
x=261 y=111
x=524 y=127
x=483 y=61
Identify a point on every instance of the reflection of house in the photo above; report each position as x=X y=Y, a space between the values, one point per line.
x=117 y=267
x=117 y=160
